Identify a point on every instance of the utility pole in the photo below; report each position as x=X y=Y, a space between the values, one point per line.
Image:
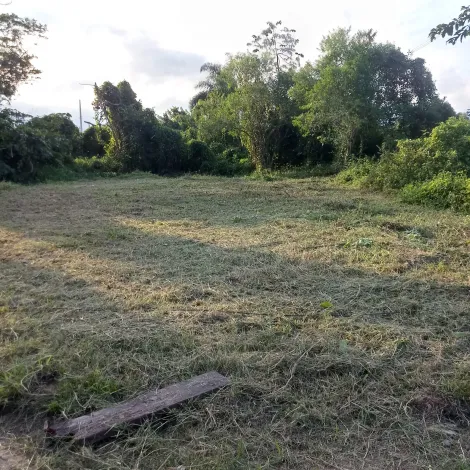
x=80 y=106
x=81 y=120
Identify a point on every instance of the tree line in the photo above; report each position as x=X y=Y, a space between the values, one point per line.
x=262 y=109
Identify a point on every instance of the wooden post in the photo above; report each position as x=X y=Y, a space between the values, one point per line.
x=102 y=424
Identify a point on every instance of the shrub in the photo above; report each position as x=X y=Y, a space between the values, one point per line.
x=106 y=164
x=233 y=161
x=94 y=141
x=357 y=172
x=168 y=152
x=446 y=190
x=446 y=149
x=200 y=157
x=453 y=135
x=414 y=161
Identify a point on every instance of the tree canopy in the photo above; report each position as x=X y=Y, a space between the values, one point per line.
x=16 y=64
x=263 y=108
x=457 y=29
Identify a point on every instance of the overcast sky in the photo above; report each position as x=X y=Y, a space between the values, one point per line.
x=159 y=46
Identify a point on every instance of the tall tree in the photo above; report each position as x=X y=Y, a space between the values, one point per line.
x=213 y=82
x=138 y=140
x=457 y=29
x=280 y=44
x=16 y=64
x=360 y=93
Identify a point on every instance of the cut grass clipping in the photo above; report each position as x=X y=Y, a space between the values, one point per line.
x=340 y=316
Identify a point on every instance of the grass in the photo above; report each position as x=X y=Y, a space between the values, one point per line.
x=341 y=317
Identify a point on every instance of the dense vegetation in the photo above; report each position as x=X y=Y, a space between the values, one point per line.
x=362 y=106
x=433 y=169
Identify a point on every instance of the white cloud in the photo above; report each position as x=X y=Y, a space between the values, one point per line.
x=159 y=46
x=149 y=59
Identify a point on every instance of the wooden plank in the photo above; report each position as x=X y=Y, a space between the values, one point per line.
x=100 y=424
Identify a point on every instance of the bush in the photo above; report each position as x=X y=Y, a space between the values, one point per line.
x=30 y=147
x=357 y=173
x=168 y=152
x=233 y=161
x=447 y=149
x=200 y=157
x=106 y=164
x=453 y=135
x=414 y=161
x=94 y=141
x=444 y=191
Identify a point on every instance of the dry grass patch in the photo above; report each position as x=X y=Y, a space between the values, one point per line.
x=341 y=317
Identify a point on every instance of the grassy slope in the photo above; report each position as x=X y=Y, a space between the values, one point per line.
x=341 y=317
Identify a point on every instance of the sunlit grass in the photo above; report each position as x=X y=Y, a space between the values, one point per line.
x=340 y=316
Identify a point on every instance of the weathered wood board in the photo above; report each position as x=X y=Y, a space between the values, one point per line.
x=100 y=424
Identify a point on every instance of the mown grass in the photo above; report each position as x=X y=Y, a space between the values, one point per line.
x=341 y=317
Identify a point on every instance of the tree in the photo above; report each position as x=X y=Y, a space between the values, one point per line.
x=62 y=134
x=16 y=64
x=28 y=145
x=279 y=44
x=94 y=141
x=361 y=93
x=181 y=120
x=138 y=140
x=457 y=29
x=213 y=82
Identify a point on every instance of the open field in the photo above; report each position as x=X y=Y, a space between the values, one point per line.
x=341 y=317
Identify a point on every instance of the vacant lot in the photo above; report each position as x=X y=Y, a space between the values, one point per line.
x=341 y=317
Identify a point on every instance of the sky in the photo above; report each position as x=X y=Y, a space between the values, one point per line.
x=159 y=46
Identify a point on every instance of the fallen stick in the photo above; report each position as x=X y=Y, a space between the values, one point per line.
x=100 y=424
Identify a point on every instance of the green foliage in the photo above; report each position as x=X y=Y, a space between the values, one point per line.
x=94 y=141
x=180 y=120
x=200 y=157
x=457 y=29
x=16 y=65
x=446 y=190
x=357 y=173
x=30 y=145
x=61 y=134
x=233 y=161
x=105 y=165
x=138 y=140
x=260 y=110
x=447 y=148
x=361 y=94
x=278 y=43
x=213 y=82
x=453 y=135
x=166 y=151
x=433 y=170
x=23 y=150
